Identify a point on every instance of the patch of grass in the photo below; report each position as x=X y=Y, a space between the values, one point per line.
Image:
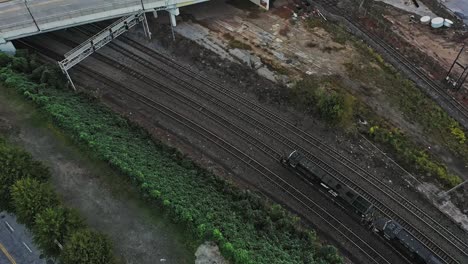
x=247 y=227
x=415 y=105
x=274 y=66
x=409 y=154
x=236 y=44
x=337 y=32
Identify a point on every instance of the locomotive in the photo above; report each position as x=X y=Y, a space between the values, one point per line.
x=341 y=192
x=387 y=228
x=404 y=240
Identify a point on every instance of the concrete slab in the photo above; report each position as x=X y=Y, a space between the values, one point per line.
x=14 y=15
x=19 y=18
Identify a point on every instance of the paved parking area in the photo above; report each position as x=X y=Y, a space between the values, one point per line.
x=16 y=246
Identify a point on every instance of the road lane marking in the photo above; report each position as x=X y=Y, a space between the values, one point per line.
x=10 y=258
x=27 y=247
x=9 y=226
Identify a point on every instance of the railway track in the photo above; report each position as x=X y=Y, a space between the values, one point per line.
x=274 y=154
x=443 y=232
x=272 y=177
x=457 y=110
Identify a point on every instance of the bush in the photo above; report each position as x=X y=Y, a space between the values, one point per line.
x=4 y=59
x=321 y=96
x=86 y=246
x=410 y=155
x=30 y=197
x=20 y=64
x=16 y=164
x=55 y=224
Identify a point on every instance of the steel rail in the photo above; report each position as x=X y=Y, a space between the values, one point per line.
x=283 y=185
x=383 y=208
x=405 y=202
x=461 y=109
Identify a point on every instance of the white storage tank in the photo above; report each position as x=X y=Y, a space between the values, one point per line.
x=448 y=22
x=437 y=22
x=425 y=19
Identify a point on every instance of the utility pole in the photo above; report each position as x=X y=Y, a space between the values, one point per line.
x=458 y=82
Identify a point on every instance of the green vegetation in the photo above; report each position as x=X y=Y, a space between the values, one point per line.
x=247 y=227
x=410 y=155
x=337 y=32
x=55 y=224
x=371 y=70
x=236 y=44
x=415 y=105
x=26 y=193
x=86 y=246
x=30 y=197
x=16 y=164
x=319 y=95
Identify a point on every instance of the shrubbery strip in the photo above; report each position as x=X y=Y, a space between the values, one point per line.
x=26 y=192
x=371 y=69
x=247 y=228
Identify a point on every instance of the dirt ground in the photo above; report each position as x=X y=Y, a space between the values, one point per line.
x=283 y=47
x=106 y=199
x=442 y=44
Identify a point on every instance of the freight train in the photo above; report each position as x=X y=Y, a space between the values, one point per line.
x=404 y=240
x=341 y=192
x=387 y=228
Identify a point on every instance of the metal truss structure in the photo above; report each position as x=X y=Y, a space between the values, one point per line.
x=99 y=40
x=457 y=82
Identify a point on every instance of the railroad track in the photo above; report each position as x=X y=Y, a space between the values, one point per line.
x=441 y=230
x=272 y=177
x=274 y=154
x=456 y=107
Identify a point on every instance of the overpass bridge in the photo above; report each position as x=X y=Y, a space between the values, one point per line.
x=22 y=18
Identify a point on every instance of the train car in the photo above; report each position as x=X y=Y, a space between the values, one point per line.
x=312 y=172
x=404 y=241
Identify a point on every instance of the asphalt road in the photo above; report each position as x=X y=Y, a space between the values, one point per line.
x=16 y=246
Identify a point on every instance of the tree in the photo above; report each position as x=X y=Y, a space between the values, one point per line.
x=20 y=64
x=330 y=255
x=4 y=59
x=55 y=225
x=85 y=247
x=30 y=197
x=14 y=165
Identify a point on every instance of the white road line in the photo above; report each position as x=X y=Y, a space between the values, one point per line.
x=9 y=226
x=27 y=247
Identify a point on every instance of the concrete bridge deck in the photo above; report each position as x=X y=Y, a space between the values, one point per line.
x=22 y=18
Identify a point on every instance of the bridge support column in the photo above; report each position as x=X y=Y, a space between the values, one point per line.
x=173 y=13
x=7 y=47
x=146 y=26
